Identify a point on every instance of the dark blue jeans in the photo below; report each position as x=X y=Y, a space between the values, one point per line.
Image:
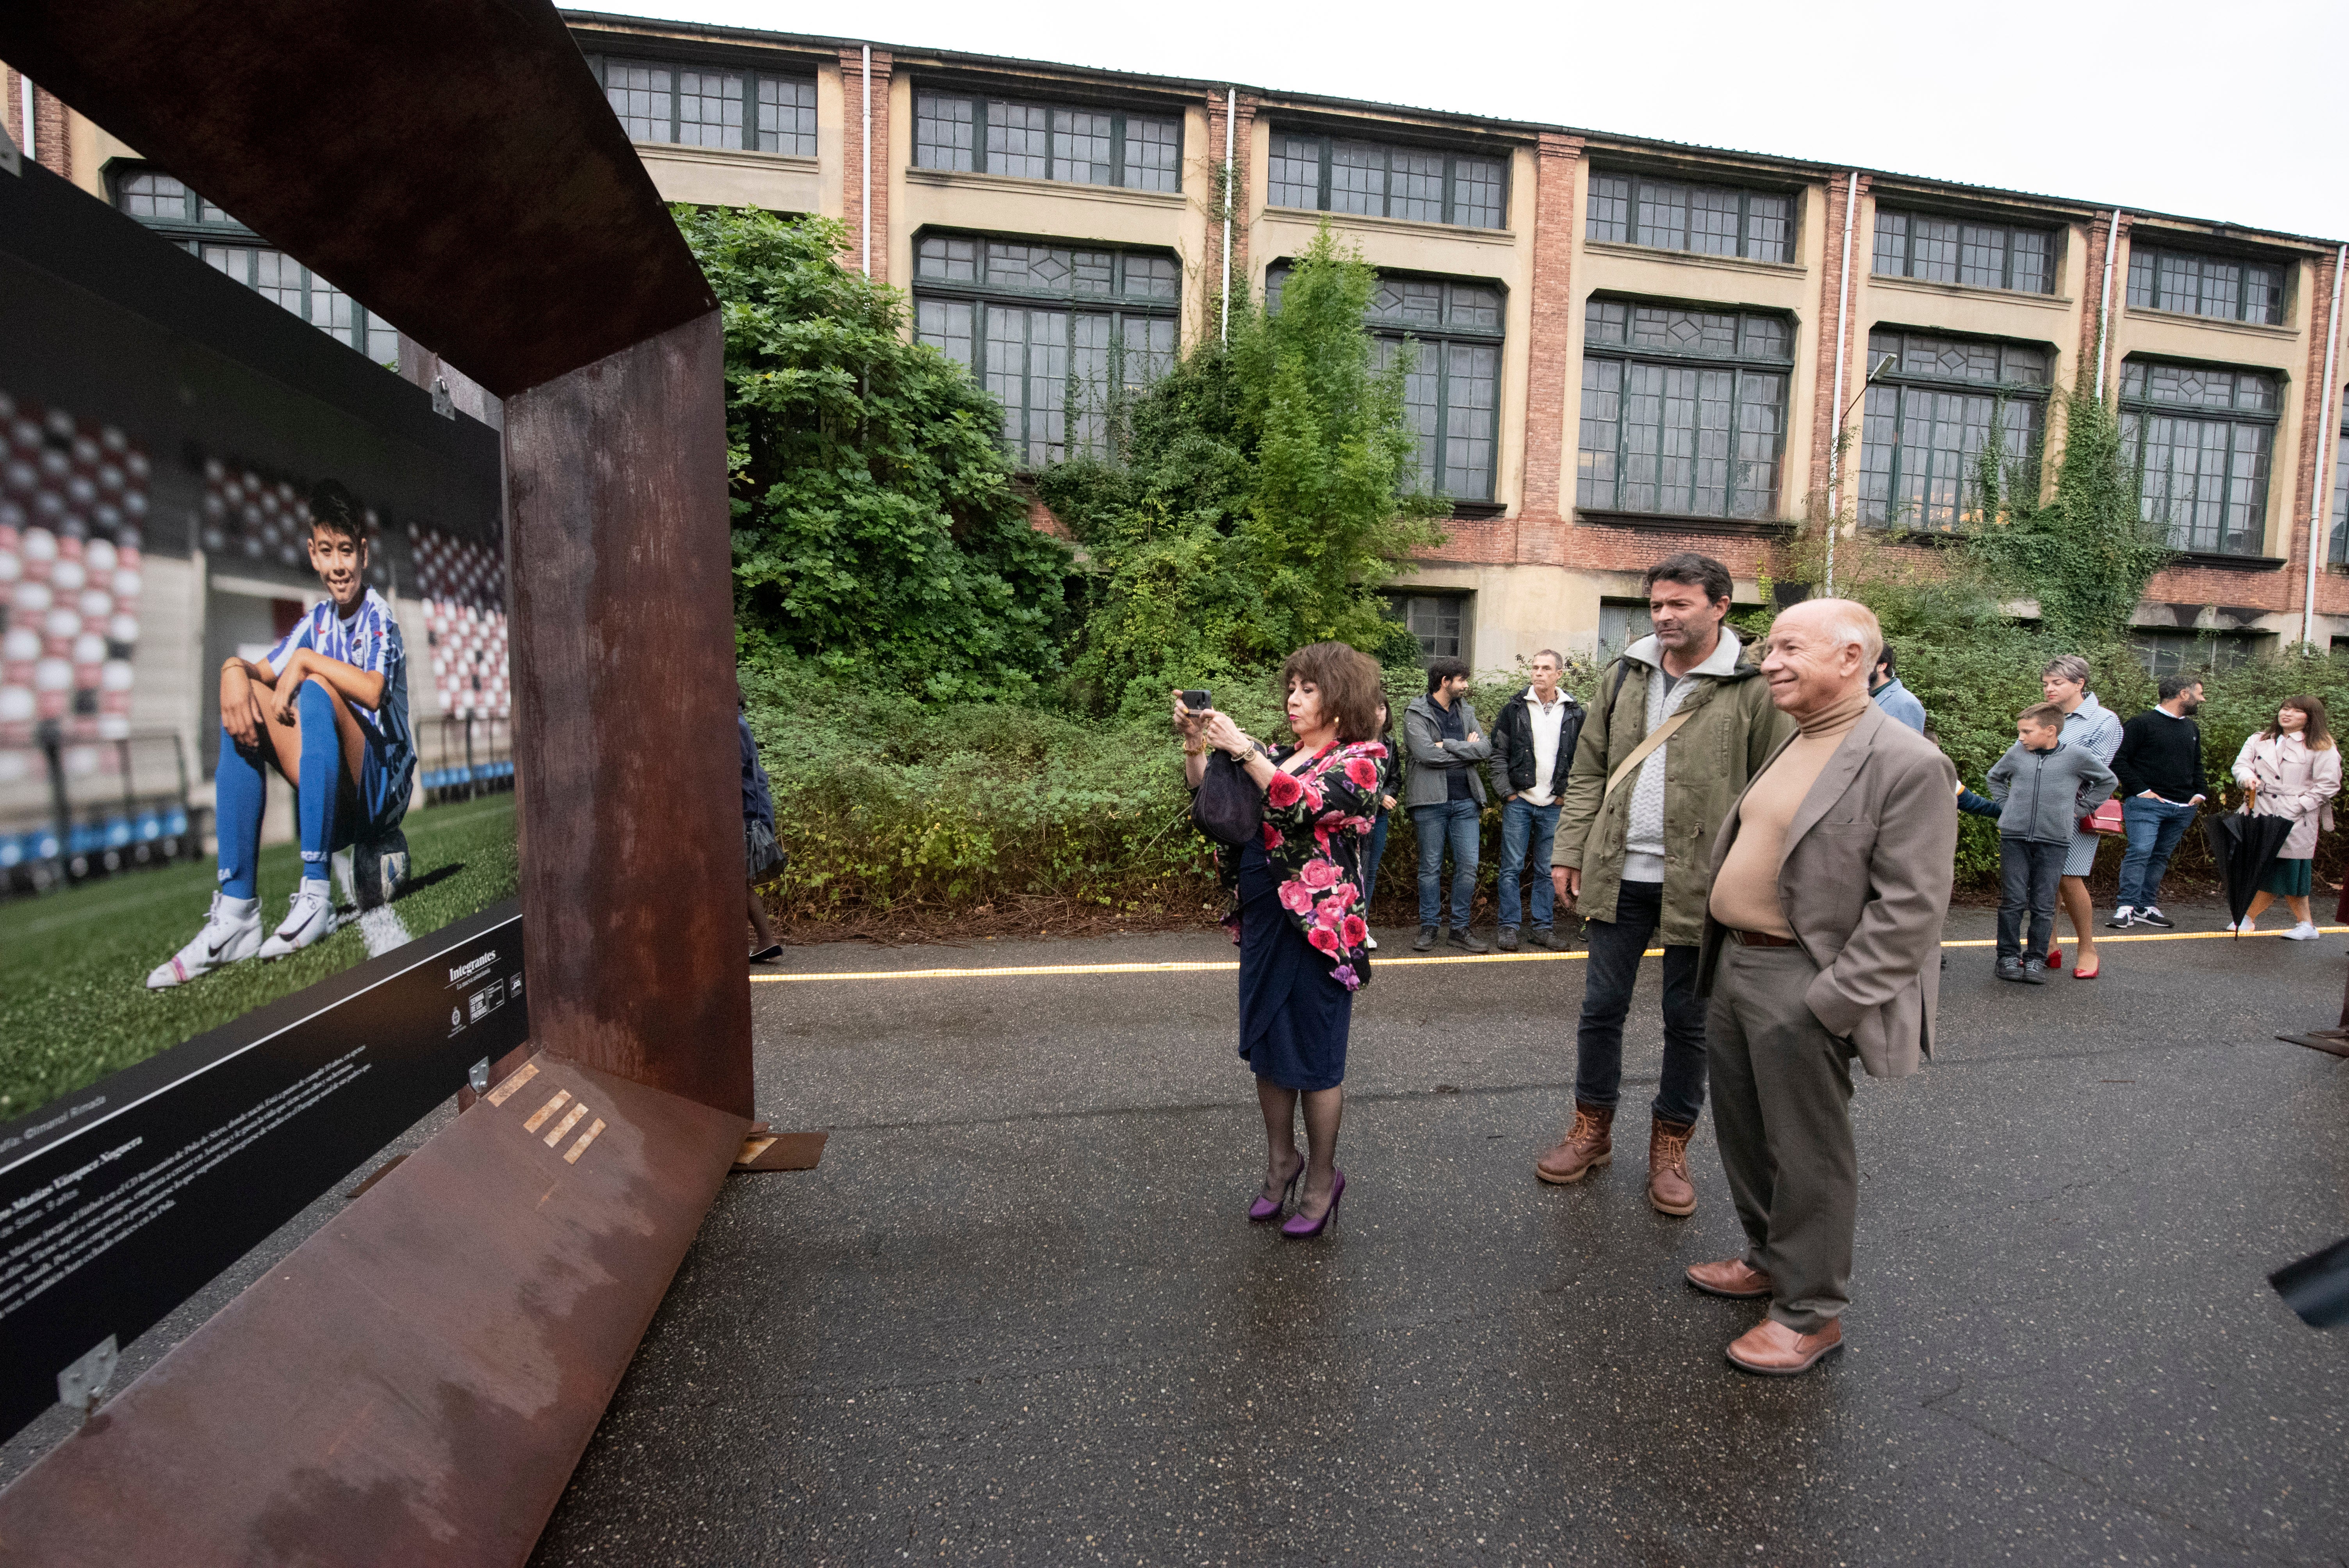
x=1615 y=948
x=2153 y=828
x=2027 y=875
x=1521 y=820
x=1373 y=853
x=1453 y=822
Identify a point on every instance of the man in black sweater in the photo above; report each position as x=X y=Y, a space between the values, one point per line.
x=2162 y=781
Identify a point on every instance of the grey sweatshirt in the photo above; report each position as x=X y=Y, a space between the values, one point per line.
x=2045 y=793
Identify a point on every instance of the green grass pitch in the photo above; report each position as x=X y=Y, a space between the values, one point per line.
x=74 y=1003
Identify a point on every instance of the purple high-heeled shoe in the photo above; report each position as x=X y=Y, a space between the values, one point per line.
x=1299 y=1228
x=1264 y=1208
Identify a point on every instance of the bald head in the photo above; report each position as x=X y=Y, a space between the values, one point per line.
x=1820 y=652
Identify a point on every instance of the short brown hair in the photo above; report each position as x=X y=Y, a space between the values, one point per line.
x=2043 y=716
x=1348 y=683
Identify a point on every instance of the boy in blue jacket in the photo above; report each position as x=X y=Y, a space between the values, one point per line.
x=2045 y=786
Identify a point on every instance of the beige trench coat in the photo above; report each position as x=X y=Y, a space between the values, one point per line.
x=2293 y=782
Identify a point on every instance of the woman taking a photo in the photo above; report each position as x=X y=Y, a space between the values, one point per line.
x=2291 y=769
x=1299 y=913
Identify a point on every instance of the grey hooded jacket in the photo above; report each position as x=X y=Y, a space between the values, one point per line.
x=1432 y=757
x=2046 y=793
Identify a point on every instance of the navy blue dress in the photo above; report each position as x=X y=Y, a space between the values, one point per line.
x=1293 y=1015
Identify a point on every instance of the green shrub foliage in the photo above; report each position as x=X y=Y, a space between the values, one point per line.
x=876 y=532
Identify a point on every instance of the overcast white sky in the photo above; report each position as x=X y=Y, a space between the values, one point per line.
x=2207 y=109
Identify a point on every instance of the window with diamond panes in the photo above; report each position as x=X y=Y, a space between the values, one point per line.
x=1684 y=410
x=1961 y=251
x=2225 y=287
x=2202 y=437
x=1452 y=392
x=1379 y=179
x=1059 y=335
x=1933 y=414
x=1675 y=215
x=166 y=204
x=710 y=106
x=1047 y=142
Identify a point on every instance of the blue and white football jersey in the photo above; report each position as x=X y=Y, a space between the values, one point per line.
x=369 y=640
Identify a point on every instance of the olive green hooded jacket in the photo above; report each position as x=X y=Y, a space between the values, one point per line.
x=1732 y=731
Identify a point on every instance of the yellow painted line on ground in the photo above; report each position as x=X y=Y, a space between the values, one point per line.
x=1228 y=966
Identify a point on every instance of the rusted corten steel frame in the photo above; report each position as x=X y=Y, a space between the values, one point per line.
x=415 y=1383
x=452 y=165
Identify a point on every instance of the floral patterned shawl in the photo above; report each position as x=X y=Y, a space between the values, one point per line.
x=1313 y=823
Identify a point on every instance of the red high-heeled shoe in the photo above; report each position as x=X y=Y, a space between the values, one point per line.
x=2055 y=955
x=1299 y=1228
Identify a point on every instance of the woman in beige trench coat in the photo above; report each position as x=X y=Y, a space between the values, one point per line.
x=2292 y=768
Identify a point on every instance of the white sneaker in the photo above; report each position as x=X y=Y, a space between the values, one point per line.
x=2243 y=928
x=2304 y=932
x=2121 y=918
x=311 y=919
x=1371 y=943
x=232 y=934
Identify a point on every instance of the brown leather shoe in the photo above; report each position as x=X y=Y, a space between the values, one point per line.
x=1587 y=1144
x=1774 y=1350
x=1732 y=1278
x=1670 y=1191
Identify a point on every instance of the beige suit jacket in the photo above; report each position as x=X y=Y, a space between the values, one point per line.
x=1864 y=885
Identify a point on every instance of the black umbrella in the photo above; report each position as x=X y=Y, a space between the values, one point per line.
x=2317 y=1287
x=2244 y=847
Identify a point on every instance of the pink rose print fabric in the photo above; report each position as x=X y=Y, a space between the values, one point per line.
x=1314 y=824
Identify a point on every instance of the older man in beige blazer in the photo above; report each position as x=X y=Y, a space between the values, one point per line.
x=1831 y=880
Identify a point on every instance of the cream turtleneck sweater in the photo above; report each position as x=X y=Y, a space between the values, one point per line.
x=1745 y=893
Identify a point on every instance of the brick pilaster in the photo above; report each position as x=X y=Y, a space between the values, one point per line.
x=1836 y=316
x=1242 y=208
x=852 y=142
x=2092 y=297
x=1549 y=359
x=2316 y=439
x=51 y=148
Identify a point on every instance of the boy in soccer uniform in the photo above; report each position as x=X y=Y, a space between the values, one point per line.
x=329 y=709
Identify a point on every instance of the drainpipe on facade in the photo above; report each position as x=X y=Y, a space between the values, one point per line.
x=2105 y=307
x=1834 y=416
x=25 y=98
x=2324 y=434
x=1231 y=111
x=867 y=204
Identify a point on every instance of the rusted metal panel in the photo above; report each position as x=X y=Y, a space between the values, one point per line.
x=415 y=1383
x=451 y=163
x=623 y=668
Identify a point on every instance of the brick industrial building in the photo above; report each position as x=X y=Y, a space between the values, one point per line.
x=1627 y=348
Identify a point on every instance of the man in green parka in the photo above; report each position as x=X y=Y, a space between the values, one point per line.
x=1680 y=720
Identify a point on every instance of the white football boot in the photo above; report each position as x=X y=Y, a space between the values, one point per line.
x=312 y=919
x=231 y=932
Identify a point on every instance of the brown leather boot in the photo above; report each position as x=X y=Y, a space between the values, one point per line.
x=1669 y=1187
x=1586 y=1143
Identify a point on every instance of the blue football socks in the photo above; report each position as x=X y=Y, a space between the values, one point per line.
x=240 y=792
x=322 y=779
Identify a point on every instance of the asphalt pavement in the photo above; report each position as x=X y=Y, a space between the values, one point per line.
x=1015 y=1315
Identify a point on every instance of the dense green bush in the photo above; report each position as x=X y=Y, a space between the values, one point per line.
x=876 y=532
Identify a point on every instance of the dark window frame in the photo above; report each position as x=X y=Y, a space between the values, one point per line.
x=2031 y=395
x=1120 y=117
x=1629 y=354
x=193 y=233
x=1329 y=138
x=599 y=60
x=2338 y=553
x=1438 y=337
x=979 y=294
x=2137 y=410
x=1463 y=603
x=2153 y=250
x=1791 y=244
x=2054 y=235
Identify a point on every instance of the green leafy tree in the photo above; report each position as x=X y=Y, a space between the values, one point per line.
x=876 y=529
x=1259 y=496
